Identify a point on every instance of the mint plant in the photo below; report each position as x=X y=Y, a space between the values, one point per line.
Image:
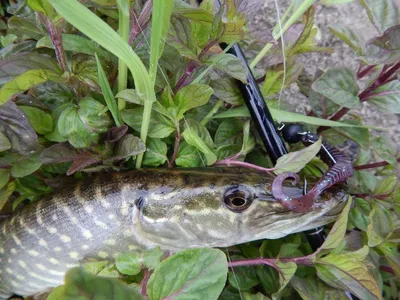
x=111 y=85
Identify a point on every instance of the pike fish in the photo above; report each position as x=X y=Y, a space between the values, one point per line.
x=120 y=212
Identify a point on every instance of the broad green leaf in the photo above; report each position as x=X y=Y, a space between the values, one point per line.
x=381 y=225
x=384 y=49
x=152 y=258
x=285 y=116
x=79 y=284
x=383 y=13
x=128 y=146
x=75 y=43
x=347 y=271
x=287 y=271
x=93 y=114
x=358 y=216
x=14 y=49
x=191 y=96
x=386 y=185
x=5 y=193
x=7 y=40
x=72 y=127
x=15 y=126
x=129 y=263
x=57 y=293
x=195 y=14
x=181 y=38
x=53 y=94
x=230 y=65
x=295 y=161
x=42 y=122
x=366 y=181
x=4 y=177
x=349 y=36
x=4 y=142
x=386 y=149
x=159 y=127
x=23 y=165
x=248 y=139
x=338 y=231
x=24 y=82
x=391 y=253
x=84 y=68
x=194 y=273
x=258 y=296
x=107 y=93
x=387 y=97
x=358 y=134
x=274 y=79
x=131 y=96
x=339 y=85
x=311 y=288
x=198 y=136
x=229 y=132
x=227 y=90
x=227 y=151
x=188 y=156
x=95 y=267
x=156 y=153
x=22 y=26
x=242 y=278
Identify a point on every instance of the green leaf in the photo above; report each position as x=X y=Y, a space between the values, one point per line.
x=22 y=26
x=381 y=225
x=358 y=134
x=4 y=177
x=229 y=132
x=72 y=127
x=366 y=180
x=191 y=96
x=194 y=273
x=242 y=278
x=152 y=258
x=198 y=136
x=386 y=149
x=295 y=161
x=188 y=156
x=57 y=293
x=75 y=43
x=92 y=113
x=128 y=146
x=311 y=288
x=387 y=97
x=287 y=271
x=5 y=193
x=131 y=96
x=230 y=65
x=258 y=296
x=194 y=14
x=129 y=263
x=159 y=126
x=16 y=65
x=24 y=82
x=285 y=116
x=9 y=39
x=383 y=14
x=82 y=285
x=392 y=255
x=338 y=231
x=107 y=93
x=181 y=38
x=248 y=139
x=227 y=90
x=42 y=122
x=349 y=36
x=23 y=165
x=4 y=143
x=358 y=216
x=95 y=267
x=156 y=153
x=41 y=6
x=274 y=79
x=347 y=271
x=386 y=185
x=339 y=85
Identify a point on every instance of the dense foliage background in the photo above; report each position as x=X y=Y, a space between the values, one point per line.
x=68 y=107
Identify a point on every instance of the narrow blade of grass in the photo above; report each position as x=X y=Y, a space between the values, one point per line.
x=107 y=92
x=124 y=31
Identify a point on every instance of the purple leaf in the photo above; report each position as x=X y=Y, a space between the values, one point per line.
x=58 y=153
x=82 y=160
x=115 y=134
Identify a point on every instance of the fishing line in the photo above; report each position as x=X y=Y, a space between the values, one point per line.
x=228 y=256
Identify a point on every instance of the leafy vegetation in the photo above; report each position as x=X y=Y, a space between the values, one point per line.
x=69 y=106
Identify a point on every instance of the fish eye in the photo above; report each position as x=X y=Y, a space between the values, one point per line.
x=238 y=198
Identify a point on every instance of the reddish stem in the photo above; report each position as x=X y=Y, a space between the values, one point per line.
x=191 y=67
x=387 y=269
x=143 y=284
x=305 y=260
x=142 y=21
x=365 y=72
x=373 y=165
x=176 y=148
x=232 y=162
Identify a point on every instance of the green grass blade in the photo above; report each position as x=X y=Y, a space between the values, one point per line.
x=162 y=10
x=92 y=26
x=124 y=31
x=107 y=92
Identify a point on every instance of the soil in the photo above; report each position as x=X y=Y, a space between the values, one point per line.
x=353 y=15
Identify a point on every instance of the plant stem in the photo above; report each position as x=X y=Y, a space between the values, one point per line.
x=364 y=72
x=373 y=165
x=124 y=30
x=56 y=39
x=305 y=261
x=212 y=112
x=233 y=162
x=143 y=284
x=176 y=147
x=381 y=80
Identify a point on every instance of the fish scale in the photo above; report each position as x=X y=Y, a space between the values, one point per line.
x=120 y=212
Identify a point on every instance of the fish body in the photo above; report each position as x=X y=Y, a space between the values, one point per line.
x=120 y=212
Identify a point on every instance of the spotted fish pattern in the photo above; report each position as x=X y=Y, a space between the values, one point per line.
x=120 y=212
